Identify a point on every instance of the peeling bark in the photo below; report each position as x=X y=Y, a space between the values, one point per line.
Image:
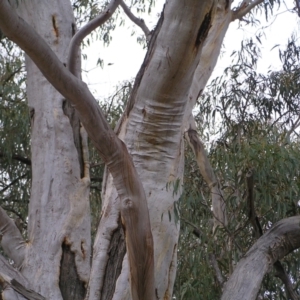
x=206 y=170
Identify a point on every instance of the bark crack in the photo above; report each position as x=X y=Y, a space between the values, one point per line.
x=55 y=28
x=204 y=28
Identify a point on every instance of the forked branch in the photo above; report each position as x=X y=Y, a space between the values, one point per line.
x=244 y=8
x=86 y=30
x=139 y=22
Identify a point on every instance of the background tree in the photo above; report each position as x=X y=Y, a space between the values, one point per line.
x=182 y=52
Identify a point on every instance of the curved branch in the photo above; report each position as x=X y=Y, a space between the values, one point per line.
x=12 y=241
x=280 y=240
x=86 y=30
x=206 y=170
x=134 y=209
x=289 y=289
x=280 y=271
x=244 y=8
x=139 y=22
x=13 y=182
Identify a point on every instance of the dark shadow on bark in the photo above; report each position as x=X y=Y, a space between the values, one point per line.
x=72 y=114
x=116 y=254
x=71 y=287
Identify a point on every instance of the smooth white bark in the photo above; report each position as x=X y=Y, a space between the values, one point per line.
x=57 y=188
x=152 y=133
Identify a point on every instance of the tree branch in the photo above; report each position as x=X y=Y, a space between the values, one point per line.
x=12 y=281
x=280 y=240
x=196 y=231
x=139 y=22
x=280 y=271
x=20 y=158
x=12 y=241
x=134 y=209
x=251 y=209
x=218 y=272
x=13 y=182
x=244 y=8
x=86 y=30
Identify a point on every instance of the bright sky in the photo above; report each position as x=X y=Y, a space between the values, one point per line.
x=124 y=56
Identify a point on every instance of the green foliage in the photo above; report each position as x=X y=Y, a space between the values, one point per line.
x=15 y=162
x=251 y=122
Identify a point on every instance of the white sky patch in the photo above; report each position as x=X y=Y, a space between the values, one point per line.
x=124 y=56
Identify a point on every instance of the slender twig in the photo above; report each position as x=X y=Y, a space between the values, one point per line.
x=10 y=76
x=214 y=263
x=197 y=231
x=113 y=97
x=281 y=273
x=86 y=30
x=139 y=22
x=96 y=179
x=13 y=182
x=96 y=165
x=294 y=126
x=7 y=208
x=244 y=8
x=19 y=158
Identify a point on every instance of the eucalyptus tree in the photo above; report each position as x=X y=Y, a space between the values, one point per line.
x=135 y=249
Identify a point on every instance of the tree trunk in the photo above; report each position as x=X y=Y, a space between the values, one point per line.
x=58 y=252
x=152 y=130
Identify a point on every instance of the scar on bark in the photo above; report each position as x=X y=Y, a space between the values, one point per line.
x=73 y=29
x=204 y=28
x=226 y=4
x=55 y=28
